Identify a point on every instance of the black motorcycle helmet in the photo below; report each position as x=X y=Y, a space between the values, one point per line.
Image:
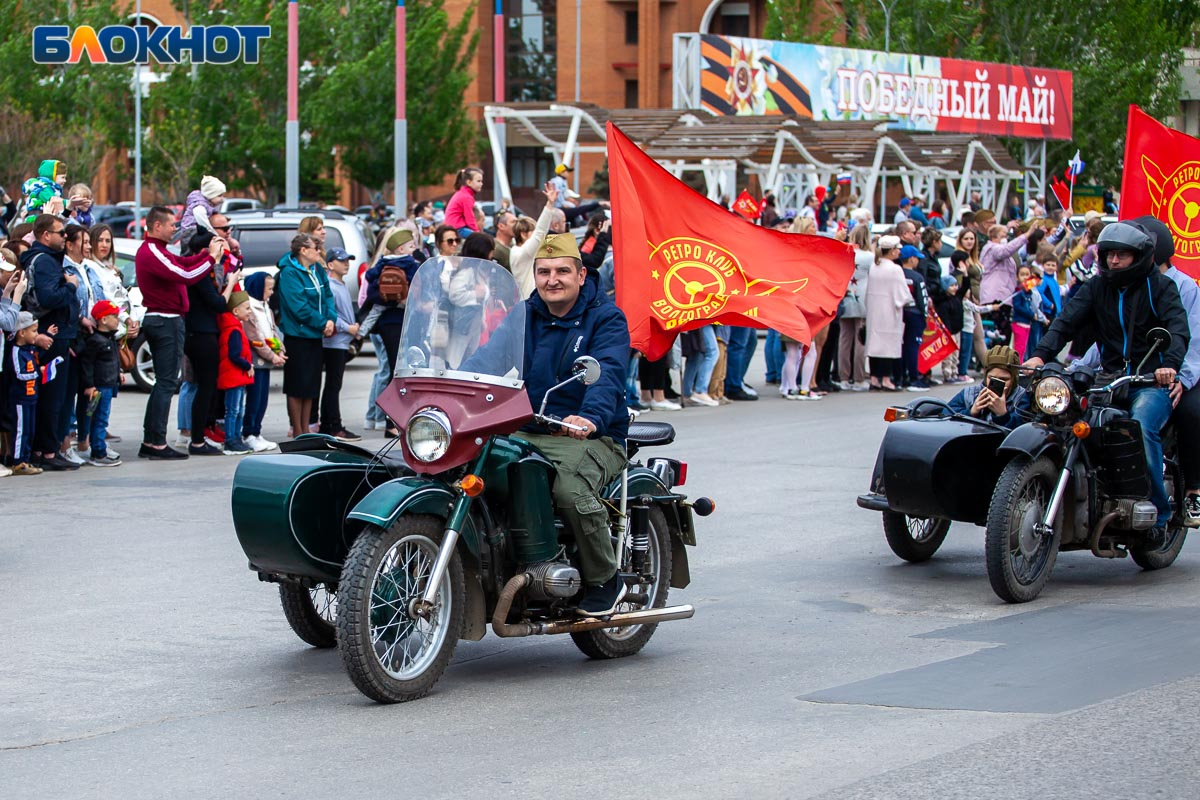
x=1125 y=236
x=1164 y=242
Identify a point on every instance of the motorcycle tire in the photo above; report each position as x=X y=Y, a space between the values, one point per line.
x=391 y=656
x=1019 y=561
x=914 y=546
x=620 y=642
x=312 y=613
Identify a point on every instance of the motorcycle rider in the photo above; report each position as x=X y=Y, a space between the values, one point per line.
x=1128 y=298
x=979 y=401
x=1184 y=392
x=568 y=316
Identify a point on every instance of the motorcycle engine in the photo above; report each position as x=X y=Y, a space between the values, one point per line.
x=553 y=580
x=1137 y=515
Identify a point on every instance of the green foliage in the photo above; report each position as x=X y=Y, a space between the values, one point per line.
x=73 y=113
x=229 y=120
x=355 y=107
x=1120 y=51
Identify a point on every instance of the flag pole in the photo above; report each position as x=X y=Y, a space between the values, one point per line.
x=292 y=126
x=400 y=123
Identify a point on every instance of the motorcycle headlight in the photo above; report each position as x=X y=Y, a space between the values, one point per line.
x=1052 y=395
x=428 y=435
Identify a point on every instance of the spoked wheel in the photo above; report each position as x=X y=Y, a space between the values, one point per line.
x=914 y=539
x=312 y=613
x=621 y=642
x=1019 y=558
x=1150 y=559
x=392 y=652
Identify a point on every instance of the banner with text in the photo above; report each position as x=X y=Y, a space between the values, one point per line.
x=922 y=93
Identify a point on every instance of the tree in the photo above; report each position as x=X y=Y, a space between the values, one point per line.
x=75 y=113
x=354 y=107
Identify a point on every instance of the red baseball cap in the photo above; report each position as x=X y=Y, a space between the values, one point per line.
x=104 y=308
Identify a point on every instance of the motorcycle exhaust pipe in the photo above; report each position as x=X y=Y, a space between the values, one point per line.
x=502 y=628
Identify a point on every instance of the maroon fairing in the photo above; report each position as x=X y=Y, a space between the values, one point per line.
x=465 y=403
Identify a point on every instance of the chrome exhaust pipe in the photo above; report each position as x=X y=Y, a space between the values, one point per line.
x=503 y=628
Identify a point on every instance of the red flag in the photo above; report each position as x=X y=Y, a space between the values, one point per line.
x=937 y=343
x=682 y=261
x=1162 y=179
x=1062 y=192
x=746 y=205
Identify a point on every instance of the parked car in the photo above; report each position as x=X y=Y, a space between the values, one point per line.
x=115 y=216
x=232 y=204
x=266 y=234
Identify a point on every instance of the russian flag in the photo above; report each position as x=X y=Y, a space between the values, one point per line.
x=1076 y=164
x=50 y=371
x=843 y=179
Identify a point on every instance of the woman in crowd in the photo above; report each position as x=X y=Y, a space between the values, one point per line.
x=887 y=295
x=375 y=418
x=88 y=291
x=597 y=239
x=207 y=301
x=527 y=238
x=807 y=389
x=852 y=354
x=968 y=244
x=700 y=352
x=306 y=316
x=315 y=227
x=938 y=214
x=448 y=240
x=460 y=211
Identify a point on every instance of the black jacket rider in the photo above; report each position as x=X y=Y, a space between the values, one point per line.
x=1121 y=306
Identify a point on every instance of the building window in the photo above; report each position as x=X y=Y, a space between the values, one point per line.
x=531 y=45
x=528 y=167
x=735 y=19
x=631 y=94
x=631 y=26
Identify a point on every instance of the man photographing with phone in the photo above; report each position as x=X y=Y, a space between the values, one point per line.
x=999 y=399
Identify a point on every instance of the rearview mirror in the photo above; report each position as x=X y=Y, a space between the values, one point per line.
x=590 y=369
x=1159 y=337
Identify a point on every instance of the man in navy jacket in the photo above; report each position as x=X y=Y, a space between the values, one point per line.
x=568 y=317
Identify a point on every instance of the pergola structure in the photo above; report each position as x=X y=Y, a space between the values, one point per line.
x=791 y=156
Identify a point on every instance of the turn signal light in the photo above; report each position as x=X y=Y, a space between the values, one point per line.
x=1081 y=430
x=471 y=485
x=894 y=413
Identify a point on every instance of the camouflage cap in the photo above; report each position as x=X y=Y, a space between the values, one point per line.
x=559 y=245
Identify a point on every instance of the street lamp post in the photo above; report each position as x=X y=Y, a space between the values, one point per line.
x=887 y=24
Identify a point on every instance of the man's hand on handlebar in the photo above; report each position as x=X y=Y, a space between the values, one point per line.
x=1034 y=363
x=1165 y=376
x=585 y=427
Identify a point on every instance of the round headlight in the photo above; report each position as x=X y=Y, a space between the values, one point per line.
x=428 y=435
x=1052 y=395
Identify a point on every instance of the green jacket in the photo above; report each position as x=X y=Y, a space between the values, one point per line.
x=305 y=299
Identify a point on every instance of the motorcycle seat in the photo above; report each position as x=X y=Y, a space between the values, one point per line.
x=650 y=434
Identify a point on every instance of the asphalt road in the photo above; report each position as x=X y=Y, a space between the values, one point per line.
x=143 y=660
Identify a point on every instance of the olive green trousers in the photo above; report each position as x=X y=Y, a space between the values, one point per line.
x=584 y=468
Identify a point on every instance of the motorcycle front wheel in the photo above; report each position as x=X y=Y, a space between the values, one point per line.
x=621 y=642
x=915 y=539
x=1019 y=559
x=312 y=613
x=391 y=654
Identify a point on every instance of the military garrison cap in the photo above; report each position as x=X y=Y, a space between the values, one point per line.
x=402 y=236
x=559 y=245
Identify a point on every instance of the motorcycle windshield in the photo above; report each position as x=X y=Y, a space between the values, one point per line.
x=464 y=319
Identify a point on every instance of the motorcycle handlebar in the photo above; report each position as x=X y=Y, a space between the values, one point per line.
x=1139 y=380
x=555 y=422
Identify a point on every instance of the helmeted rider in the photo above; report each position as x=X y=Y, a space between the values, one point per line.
x=1128 y=298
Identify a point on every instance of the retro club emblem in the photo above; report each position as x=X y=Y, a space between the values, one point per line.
x=698 y=279
x=1175 y=199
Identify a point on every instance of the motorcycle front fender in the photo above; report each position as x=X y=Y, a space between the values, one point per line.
x=1034 y=440
x=412 y=494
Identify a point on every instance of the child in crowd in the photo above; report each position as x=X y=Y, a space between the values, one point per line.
x=235 y=372
x=79 y=205
x=266 y=344
x=23 y=393
x=1030 y=310
x=100 y=374
x=950 y=310
x=998 y=398
x=41 y=189
x=201 y=204
x=336 y=347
